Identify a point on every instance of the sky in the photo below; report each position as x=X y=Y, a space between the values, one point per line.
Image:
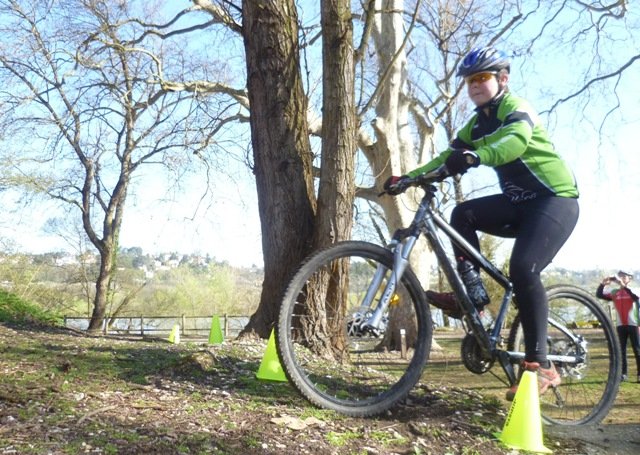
x=229 y=230
x=606 y=164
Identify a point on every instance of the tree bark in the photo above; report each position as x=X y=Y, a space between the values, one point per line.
x=102 y=292
x=337 y=186
x=281 y=148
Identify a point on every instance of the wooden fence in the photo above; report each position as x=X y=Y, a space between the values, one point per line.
x=161 y=326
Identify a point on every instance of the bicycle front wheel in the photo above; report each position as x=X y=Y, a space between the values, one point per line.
x=578 y=329
x=334 y=360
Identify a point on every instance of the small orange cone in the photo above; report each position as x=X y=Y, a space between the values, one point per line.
x=270 y=368
x=215 y=334
x=523 y=427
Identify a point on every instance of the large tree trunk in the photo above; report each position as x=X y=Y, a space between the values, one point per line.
x=104 y=286
x=392 y=153
x=102 y=291
x=337 y=184
x=281 y=148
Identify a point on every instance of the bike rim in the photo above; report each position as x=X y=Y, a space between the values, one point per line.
x=331 y=359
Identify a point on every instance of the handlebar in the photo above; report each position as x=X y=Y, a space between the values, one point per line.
x=423 y=180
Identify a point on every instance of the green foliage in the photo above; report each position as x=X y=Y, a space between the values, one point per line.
x=339 y=439
x=16 y=310
x=193 y=286
x=213 y=289
x=42 y=280
x=210 y=288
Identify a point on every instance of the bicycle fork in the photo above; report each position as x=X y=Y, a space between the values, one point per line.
x=401 y=252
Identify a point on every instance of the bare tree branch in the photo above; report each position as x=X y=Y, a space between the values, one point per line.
x=219 y=14
x=387 y=70
x=96 y=92
x=609 y=9
x=617 y=73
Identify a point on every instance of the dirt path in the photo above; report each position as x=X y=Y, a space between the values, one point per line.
x=612 y=439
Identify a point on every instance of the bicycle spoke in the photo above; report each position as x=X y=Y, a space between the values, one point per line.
x=328 y=351
x=580 y=331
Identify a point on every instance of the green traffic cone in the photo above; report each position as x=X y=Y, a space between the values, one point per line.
x=174 y=336
x=523 y=427
x=270 y=368
x=215 y=334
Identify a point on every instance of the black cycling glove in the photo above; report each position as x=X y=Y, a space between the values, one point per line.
x=460 y=160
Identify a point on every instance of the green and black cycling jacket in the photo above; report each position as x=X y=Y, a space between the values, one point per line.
x=512 y=140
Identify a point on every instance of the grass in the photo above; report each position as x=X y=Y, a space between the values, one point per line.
x=68 y=394
x=445 y=367
x=86 y=395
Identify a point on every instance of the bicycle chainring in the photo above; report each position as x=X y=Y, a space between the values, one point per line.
x=472 y=357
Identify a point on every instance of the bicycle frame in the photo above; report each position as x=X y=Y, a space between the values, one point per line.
x=354 y=331
x=429 y=223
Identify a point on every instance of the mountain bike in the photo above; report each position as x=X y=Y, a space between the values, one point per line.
x=354 y=330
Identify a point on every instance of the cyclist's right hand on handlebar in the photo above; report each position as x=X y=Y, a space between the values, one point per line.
x=395 y=185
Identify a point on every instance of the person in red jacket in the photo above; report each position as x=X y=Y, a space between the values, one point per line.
x=626 y=305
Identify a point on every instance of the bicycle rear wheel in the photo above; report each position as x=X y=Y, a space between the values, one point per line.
x=578 y=327
x=325 y=352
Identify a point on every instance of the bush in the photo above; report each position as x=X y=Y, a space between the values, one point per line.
x=16 y=310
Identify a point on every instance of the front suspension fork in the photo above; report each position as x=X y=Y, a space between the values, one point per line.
x=401 y=252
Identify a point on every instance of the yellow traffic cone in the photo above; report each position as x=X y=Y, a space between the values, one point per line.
x=270 y=368
x=215 y=334
x=523 y=428
x=174 y=336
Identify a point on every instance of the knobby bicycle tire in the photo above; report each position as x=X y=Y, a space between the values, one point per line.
x=328 y=356
x=589 y=387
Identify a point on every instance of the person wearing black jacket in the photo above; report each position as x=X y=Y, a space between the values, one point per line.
x=625 y=302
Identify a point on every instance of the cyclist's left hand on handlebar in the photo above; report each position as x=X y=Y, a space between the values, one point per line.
x=395 y=185
x=460 y=160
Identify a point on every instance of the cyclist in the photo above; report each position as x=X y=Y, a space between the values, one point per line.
x=625 y=302
x=537 y=206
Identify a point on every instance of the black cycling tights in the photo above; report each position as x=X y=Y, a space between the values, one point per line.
x=540 y=227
